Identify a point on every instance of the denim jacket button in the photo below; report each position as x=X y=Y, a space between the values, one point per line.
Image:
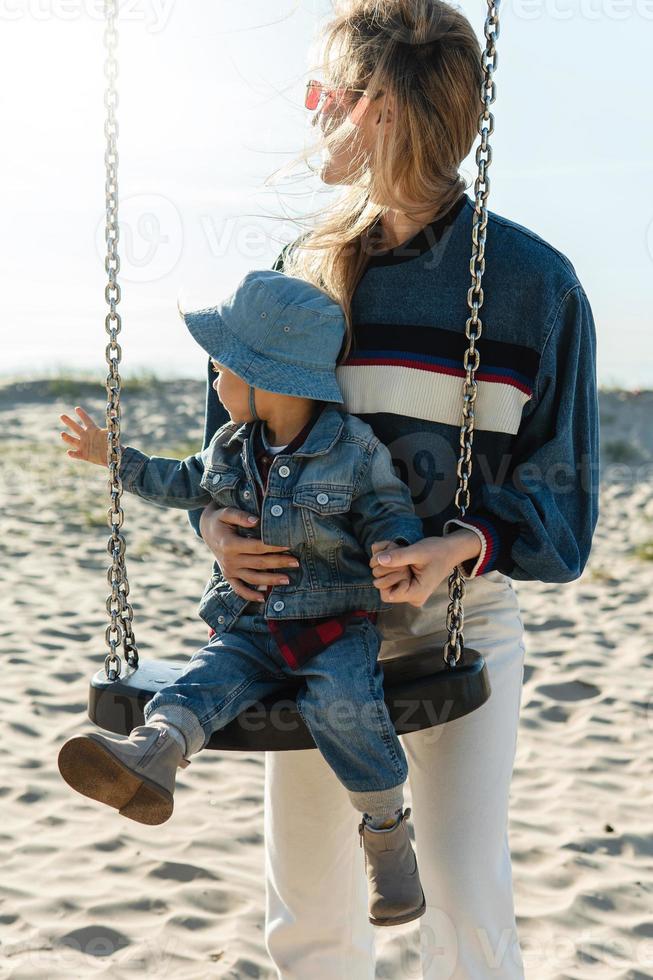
x=284 y=471
x=276 y=510
x=322 y=498
x=246 y=494
x=221 y=619
x=216 y=478
x=278 y=606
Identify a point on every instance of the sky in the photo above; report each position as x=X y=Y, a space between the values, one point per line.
x=210 y=105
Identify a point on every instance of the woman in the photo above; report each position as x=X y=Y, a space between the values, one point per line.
x=399 y=117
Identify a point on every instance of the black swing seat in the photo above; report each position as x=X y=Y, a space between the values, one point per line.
x=421 y=691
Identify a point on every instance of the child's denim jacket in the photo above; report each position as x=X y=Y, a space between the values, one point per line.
x=327 y=503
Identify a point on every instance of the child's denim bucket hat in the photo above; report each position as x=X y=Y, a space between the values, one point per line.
x=276 y=332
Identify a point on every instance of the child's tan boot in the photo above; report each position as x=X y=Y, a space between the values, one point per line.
x=135 y=775
x=393 y=886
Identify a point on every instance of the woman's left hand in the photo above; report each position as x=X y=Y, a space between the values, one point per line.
x=431 y=560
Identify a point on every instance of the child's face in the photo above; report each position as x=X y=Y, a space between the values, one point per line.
x=233 y=392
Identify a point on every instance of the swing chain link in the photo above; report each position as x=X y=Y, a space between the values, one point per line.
x=119 y=632
x=454 y=645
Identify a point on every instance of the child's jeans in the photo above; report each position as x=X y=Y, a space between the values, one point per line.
x=342 y=701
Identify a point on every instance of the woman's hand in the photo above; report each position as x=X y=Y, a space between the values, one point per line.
x=400 y=577
x=430 y=561
x=244 y=561
x=89 y=440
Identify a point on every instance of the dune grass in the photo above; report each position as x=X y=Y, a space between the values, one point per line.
x=75 y=385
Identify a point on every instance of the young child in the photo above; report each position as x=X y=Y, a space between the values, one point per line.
x=325 y=490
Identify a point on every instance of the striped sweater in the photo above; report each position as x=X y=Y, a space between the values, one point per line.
x=535 y=455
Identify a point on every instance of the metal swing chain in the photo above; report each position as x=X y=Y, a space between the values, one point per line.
x=119 y=631
x=454 y=645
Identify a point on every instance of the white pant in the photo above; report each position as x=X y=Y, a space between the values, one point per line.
x=459 y=775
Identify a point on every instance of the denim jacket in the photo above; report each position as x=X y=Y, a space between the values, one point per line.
x=327 y=503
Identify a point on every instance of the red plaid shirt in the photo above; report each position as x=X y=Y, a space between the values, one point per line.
x=300 y=639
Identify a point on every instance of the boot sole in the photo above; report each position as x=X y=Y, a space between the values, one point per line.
x=399 y=919
x=93 y=770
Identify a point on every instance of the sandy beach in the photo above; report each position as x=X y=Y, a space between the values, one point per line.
x=87 y=893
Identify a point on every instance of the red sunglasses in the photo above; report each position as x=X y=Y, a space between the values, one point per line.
x=317 y=91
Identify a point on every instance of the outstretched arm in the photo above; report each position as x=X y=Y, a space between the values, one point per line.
x=162 y=481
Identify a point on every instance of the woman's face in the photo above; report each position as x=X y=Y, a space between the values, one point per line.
x=362 y=118
x=233 y=392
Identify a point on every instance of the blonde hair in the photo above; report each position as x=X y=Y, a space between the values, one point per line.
x=426 y=54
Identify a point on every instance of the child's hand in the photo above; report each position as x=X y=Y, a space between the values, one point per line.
x=392 y=580
x=89 y=440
